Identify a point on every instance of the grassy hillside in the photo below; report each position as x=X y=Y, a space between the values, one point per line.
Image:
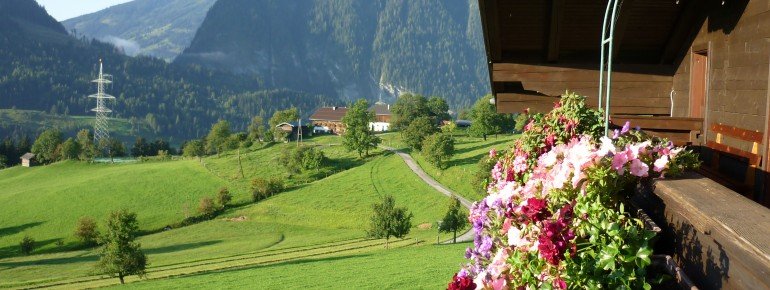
x=321 y=219
x=468 y=152
x=45 y=202
x=425 y=267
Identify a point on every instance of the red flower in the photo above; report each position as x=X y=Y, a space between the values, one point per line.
x=461 y=283
x=536 y=209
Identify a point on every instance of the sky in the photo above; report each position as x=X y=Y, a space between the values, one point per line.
x=66 y=9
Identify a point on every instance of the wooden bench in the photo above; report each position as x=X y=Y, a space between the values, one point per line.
x=719 y=149
x=680 y=130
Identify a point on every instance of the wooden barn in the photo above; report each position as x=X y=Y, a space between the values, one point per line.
x=294 y=130
x=694 y=71
x=28 y=160
x=329 y=119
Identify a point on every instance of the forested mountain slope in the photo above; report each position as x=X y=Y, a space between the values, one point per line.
x=149 y=27
x=43 y=68
x=349 y=48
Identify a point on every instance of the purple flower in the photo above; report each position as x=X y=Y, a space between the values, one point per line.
x=626 y=128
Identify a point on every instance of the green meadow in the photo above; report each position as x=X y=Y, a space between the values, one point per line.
x=468 y=151
x=316 y=227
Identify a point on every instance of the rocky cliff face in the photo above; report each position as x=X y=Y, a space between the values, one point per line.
x=349 y=48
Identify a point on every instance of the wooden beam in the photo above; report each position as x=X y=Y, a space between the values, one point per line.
x=520 y=72
x=657 y=123
x=687 y=22
x=490 y=25
x=738 y=133
x=554 y=35
x=621 y=24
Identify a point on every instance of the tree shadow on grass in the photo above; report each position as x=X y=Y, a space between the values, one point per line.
x=285 y=263
x=480 y=146
x=15 y=250
x=466 y=161
x=93 y=258
x=18 y=229
x=180 y=247
x=83 y=258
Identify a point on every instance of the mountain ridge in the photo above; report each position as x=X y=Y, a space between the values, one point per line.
x=147 y=27
x=348 y=48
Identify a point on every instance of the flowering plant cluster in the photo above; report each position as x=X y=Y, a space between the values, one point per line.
x=554 y=216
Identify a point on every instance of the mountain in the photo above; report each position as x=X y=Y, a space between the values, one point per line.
x=147 y=27
x=349 y=48
x=42 y=68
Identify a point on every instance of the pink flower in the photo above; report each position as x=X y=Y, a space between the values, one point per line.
x=492 y=153
x=619 y=161
x=520 y=164
x=660 y=164
x=547 y=159
x=639 y=168
x=606 y=147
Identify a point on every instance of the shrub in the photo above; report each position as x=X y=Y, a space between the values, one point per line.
x=297 y=159
x=86 y=231
x=27 y=245
x=224 y=197
x=206 y=207
x=263 y=188
x=438 y=148
x=312 y=158
x=481 y=175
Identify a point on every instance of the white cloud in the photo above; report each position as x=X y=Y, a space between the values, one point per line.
x=130 y=47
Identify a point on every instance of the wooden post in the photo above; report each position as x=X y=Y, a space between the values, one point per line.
x=239 y=163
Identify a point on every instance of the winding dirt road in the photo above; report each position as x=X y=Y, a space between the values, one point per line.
x=465 y=237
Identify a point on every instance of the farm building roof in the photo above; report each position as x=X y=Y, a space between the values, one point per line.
x=329 y=114
x=381 y=108
x=28 y=156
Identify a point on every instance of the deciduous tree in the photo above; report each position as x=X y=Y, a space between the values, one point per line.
x=358 y=135
x=217 y=139
x=439 y=109
x=46 y=146
x=389 y=221
x=86 y=231
x=70 y=149
x=88 y=149
x=194 y=148
x=438 y=149
x=284 y=116
x=257 y=129
x=417 y=131
x=454 y=219
x=121 y=256
x=407 y=108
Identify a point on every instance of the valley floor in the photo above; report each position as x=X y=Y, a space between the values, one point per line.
x=315 y=230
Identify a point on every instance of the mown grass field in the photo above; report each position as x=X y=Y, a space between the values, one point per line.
x=323 y=219
x=45 y=202
x=420 y=267
x=459 y=173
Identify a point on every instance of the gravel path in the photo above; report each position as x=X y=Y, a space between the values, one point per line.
x=465 y=237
